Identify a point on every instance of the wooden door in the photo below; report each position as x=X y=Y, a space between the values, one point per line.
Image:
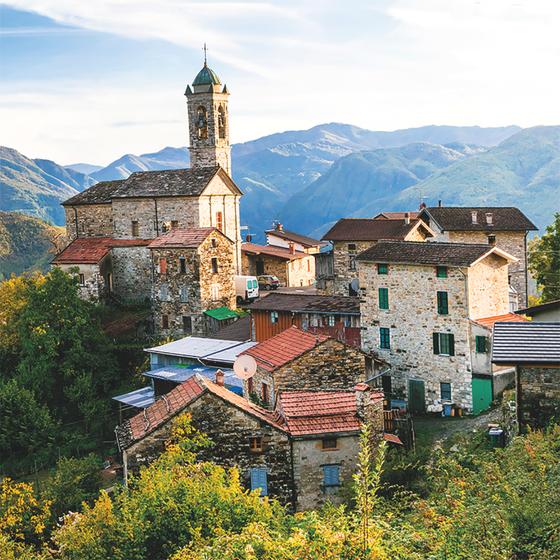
x=416 y=396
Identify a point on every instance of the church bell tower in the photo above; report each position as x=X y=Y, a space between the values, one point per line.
x=207 y=103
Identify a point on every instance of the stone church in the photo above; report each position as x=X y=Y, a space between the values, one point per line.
x=112 y=227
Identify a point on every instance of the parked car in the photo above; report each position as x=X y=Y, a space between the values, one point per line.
x=246 y=289
x=268 y=282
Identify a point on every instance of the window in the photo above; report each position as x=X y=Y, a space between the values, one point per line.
x=201 y=123
x=331 y=475
x=445 y=391
x=163 y=292
x=384 y=337
x=491 y=240
x=441 y=272
x=82 y=280
x=259 y=480
x=265 y=395
x=383 y=298
x=444 y=344
x=329 y=443
x=174 y=224
x=308 y=265
x=220 y=221
x=214 y=242
x=442 y=303
x=331 y=320
x=221 y=122
x=135 y=228
x=165 y=227
x=182 y=265
x=274 y=317
x=183 y=294
x=387 y=385
x=382 y=268
x=250 y=386
x=163 y=265
x=215 y=289
x=256 y=444
x=164 y=322
x=482 y=344
x=214 y=265
x=187 y=324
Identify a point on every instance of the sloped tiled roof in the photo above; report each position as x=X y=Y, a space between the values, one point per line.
x=508 y=317
x=396 y=215
x=90 y=250
x=429 y=253
x=182 y=237
x=505 y=218
x=369 y=229
x=295 y=237
x=272 y=251
x=526 y=343
x=168 y=182
x=320 y=412
x=304 y=303
x=239 y=330
x=549 y=306
x=284 y=347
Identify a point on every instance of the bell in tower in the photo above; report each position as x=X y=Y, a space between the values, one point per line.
x=207 y=102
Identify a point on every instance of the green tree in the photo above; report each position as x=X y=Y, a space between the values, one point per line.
x=66 y=358
x=544 y=261
x=27 y=429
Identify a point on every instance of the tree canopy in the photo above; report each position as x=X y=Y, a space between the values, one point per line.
x=544 y=261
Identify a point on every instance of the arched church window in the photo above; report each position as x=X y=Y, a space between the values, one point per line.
x=201 y=123
x=221 y=122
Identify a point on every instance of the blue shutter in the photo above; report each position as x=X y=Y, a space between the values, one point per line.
x=259 y=480
x=331 y=475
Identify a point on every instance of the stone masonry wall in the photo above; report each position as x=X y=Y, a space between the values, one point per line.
x=94 y=220
x=412 y=318
x=341 y=263
x=132 y=273
x=276 y=267
x=538 y=395
x=230 y=430
x=93 y=288
x=488 y=288
x=301 y=272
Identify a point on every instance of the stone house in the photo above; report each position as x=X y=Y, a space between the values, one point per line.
x=193 y=271
x=292 y=267
x=296 y=360
x=149 y=204
x=544 y=313
x=350 y=237
x=335 y=316
x=419 y=302
x=301 y=453
x=280 y=237
x=505 y=227
x=533 y=349
x=99 y=262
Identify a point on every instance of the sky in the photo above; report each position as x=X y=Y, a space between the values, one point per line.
x=91 y=80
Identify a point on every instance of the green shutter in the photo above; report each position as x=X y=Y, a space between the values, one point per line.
x=481 y=344
x=441 y=272
x=442 y=303
x=451 y=344
x=383 y=298
x=436 y=342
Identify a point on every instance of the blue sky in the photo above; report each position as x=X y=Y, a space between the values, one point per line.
x=90 y=80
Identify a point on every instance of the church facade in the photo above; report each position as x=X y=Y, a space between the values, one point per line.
x=125 y=216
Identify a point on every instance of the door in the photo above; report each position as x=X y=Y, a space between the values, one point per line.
x=481 y=393
x=259 y=480
x=260 y=267
x=416 y=396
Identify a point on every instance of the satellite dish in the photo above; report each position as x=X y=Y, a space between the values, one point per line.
x=245 y=366
x=355 y=287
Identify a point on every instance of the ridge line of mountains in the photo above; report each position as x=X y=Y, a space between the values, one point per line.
x=308 y=179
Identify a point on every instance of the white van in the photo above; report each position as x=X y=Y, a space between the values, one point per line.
x=246 y=289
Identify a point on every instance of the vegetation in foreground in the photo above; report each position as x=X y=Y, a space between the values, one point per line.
x=493 y=505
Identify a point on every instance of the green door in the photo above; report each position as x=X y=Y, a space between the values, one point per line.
x=416 y=396
x=481 y=393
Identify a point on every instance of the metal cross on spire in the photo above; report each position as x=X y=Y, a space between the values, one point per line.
x=205 y=49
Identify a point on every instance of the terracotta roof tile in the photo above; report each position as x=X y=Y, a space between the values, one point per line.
x=90 y=250
x=507 y=318
x=272 y=251
x=182 y=237
x=284 y=347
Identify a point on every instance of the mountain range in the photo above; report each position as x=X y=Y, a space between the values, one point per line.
x=309 y=178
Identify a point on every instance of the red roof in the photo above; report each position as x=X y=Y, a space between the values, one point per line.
x=182 y=237
x=90 y=250
x=488 y=322
x=284 y=347
x=320 y=412
x=272 y=251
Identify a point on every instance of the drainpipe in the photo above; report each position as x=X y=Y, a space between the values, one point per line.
x=526 y=302
x=76 y=220
x=157 y=218
x=293 y=489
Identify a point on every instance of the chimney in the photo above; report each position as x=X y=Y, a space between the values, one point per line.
x=474 y=216
x=220 y=378
x=407 y=218
x=362 y=400
x=439 y=203
x=422 y=206
x=279 y=226
x=489 y=218
x=292 y=247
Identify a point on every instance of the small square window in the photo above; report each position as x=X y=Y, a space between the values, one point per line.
x=331 y=320
x=214 y=242
x=442 y=303
x=384 y=337
x=163 y=265
x=256 y=444
x=182 y=265
x=183 y=294
x=445 y=391
x=174 y=224
x=215 y=292
x=491 y=240
x=351 y=247
x=82 y=280
x=481 y=344
x=265 y=394
x=441 y=272
x=214 y=265
x=444 y=343
x=329 y=443
x=382 y=268
x=250 y=386
x=274 y=317
x=135 y=228
x=331 y=475
x=187 y=324
x=165 y=322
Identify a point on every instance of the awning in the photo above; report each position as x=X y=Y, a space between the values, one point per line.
x=141 y=398
x=221 y=313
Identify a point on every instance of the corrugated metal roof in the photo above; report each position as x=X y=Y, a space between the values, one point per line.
x=198 y=347
x=526 y=343
x=230 y=354
x=141 y=398
x=179 y=374
x=221 y=313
